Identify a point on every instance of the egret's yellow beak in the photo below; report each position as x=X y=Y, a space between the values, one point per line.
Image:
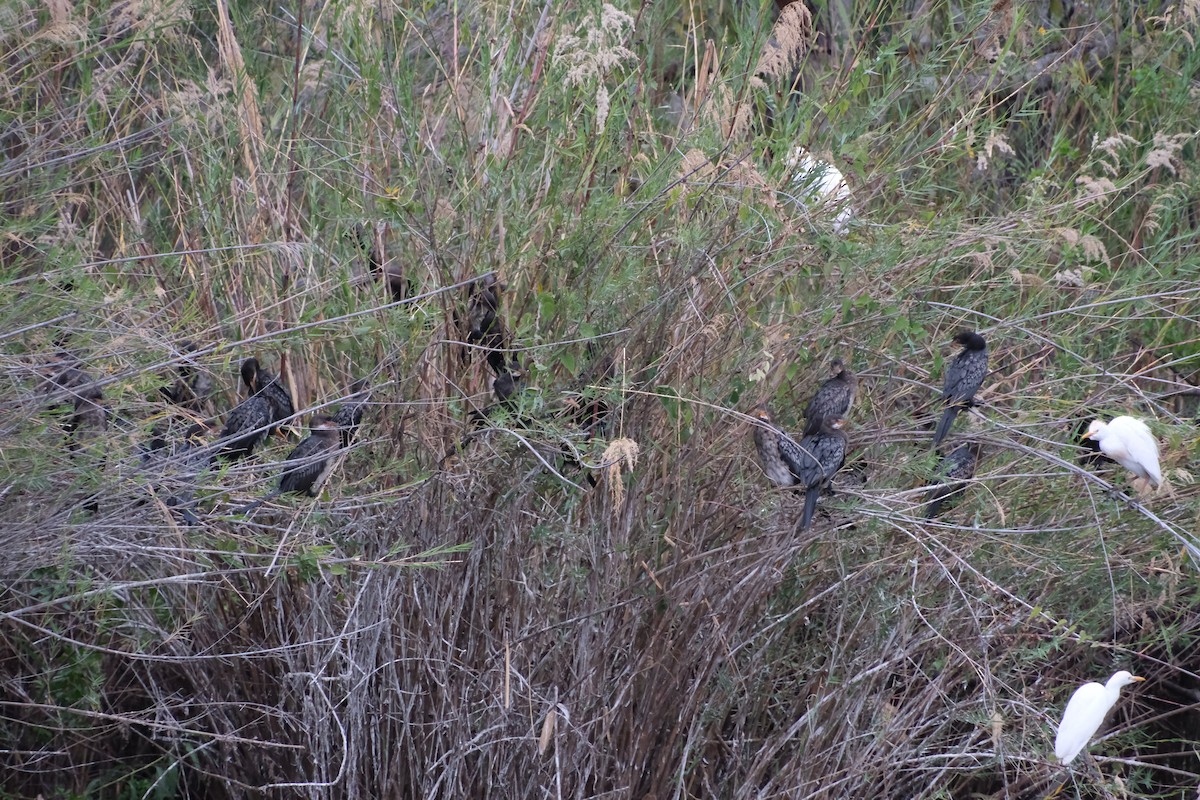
x=1137 y=678
x=1087 y=435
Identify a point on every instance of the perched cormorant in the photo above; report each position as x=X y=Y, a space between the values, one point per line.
x=956 y=467
x=833 y=399
x=192 y=388
x=65 y=381
x=964 y=376
x=190 y=457
x=349 y=415
x=263 y=384
x=821 y=456
x=482 y=308
x=1130 y=443
x=246 y=426
x=370 y=238
x=309 y=464
x=482 y=324
x=507 y=384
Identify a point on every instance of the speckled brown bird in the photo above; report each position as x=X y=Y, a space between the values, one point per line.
x=956 y=467
x=964 y=376
x=776 y=450
x=833 y=399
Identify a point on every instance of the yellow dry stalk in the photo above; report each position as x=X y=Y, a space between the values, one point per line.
x=789 y=39
x=619 y=451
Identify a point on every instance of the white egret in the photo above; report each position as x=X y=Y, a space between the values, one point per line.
x=1131 y=444
x=1085 y=711
x=817 y=184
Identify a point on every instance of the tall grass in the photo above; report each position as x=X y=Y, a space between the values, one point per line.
x=522 y=608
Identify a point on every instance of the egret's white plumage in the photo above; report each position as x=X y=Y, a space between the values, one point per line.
x=1085 y=712
x=819 y=184
x=1131 y=444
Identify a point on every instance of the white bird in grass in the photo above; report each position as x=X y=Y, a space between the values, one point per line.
x=1085 y=711
x=819 y=184
x=1131 y=444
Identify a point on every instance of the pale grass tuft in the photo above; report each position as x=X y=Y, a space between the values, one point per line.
x=1026 y=278
x=1173 y=195
x=1165 y=151
x=1092 y=189
x=731 y=114
x=1093 y=249
x=166 y=18
x=199 y=108
x=995 y=143
x=596 y=49
x=63 y=28
x=715 y=328
x=745 y=175
x=619 y=451
x=791 y=35
x=694 y=169
x=1113 y=145
x=1068 y=235
x=1184 y=13
x=1090 y=247
x=602 y=106
x=1071 y=277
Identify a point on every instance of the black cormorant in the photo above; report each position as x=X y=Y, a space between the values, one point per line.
x=955 y=468
x=192 y=388
x=964 y=376
x=349 y=415
x=833 y=400
x=246 y=426
x=507 y=384
x=821 y=455
x=309 y=464
x=263 y=384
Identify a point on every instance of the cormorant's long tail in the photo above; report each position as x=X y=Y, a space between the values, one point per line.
x=247 y=509
x=810 y=505
x=936 y=496
x=945 y=423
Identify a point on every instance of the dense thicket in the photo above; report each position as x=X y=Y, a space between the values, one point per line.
x=582 y=584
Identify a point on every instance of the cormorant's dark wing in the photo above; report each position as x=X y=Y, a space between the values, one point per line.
x=307 y=465
x=964 y=376
x=831 y=401
x=245 y=427
x=271 y=389
x=825 y=452
x=956 y=468
x=799 y=457
x=350 y=414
